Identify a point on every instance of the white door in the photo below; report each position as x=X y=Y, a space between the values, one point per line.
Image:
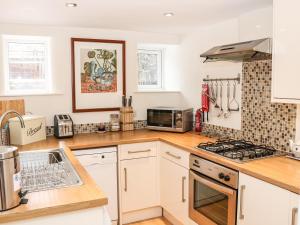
x=294 y=218
x=286 y=51
x=139 y=183
x=261 y=203
x=174 y=190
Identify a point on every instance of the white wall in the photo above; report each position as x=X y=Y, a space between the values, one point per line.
x=60 y=41
x=194 y=70
x=253 y=25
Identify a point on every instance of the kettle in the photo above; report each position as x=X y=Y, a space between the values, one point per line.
x=295 y=148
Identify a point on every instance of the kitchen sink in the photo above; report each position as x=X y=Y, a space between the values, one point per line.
x=47 y=169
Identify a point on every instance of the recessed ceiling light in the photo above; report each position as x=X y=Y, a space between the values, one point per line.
x=169 y=14
x=71 y=4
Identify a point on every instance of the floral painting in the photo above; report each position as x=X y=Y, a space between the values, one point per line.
x=99 y=70
x=98 y=74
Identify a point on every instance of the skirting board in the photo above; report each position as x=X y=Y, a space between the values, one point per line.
x=171 y=218
x=143 y=214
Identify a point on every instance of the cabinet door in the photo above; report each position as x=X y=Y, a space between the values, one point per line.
x=261 y=203
x=174 y=190
x=294 y=218
x=139 y=183
x=286 y=51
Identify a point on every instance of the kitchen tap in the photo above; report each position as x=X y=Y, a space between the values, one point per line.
x=3 y=117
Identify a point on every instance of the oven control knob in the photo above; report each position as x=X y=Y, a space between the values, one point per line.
x=221 y=175
x=227 y=178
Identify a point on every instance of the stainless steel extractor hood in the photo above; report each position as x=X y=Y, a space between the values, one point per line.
x=239 y=51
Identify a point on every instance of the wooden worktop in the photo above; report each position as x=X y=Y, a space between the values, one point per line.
x=279 y=171
x=61 y=200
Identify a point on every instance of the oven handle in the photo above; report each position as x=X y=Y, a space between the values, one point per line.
x=212 y=184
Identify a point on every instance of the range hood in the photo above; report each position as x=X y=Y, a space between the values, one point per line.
x=239 y=51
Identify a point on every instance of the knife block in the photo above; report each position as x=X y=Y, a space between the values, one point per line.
x=126 y=118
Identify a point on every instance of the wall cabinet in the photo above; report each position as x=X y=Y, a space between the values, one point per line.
x=286 y=50
x=261 y=203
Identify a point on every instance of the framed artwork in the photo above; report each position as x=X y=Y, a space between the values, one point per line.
x=98 y=74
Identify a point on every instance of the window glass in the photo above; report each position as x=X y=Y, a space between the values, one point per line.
x=150 y=66
x=27 y=64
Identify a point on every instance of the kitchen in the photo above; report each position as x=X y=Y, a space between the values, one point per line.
x=97 y=147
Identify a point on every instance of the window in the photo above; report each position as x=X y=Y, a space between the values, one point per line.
x=27 y=65
x=150 y=66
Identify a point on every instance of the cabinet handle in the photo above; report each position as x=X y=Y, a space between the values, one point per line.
x=182 y=193
x=242 y=216
x=141 y=151
x=174 y=156
x=125 y=176
x=294 y=212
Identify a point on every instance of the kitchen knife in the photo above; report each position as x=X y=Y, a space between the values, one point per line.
x=130 y=101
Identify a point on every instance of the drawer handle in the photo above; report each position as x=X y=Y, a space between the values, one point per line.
x=174 y=156
x=182 y=193
x=125 y=179
x=141 y=151
x=294 y=212
x=242 y=216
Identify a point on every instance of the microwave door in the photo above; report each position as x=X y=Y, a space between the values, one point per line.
x=160 y=118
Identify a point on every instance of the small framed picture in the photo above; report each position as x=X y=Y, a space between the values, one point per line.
x=98 y=74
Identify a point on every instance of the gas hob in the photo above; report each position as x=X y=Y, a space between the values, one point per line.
x=240 y=150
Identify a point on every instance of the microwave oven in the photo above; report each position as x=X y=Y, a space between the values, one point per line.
x=170 y=119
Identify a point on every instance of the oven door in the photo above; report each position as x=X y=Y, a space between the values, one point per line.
x=211 y=203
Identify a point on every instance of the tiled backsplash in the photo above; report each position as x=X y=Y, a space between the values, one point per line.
x=263 y=122
x=93 y=127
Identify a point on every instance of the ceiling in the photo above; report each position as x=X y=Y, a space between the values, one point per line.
x=138 y=15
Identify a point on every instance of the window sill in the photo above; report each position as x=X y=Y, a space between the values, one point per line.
x=156 y=91
x=31 y=94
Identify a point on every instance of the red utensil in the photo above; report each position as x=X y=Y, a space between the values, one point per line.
x=205 y=100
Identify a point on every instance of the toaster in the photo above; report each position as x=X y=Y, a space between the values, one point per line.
x=63 y=126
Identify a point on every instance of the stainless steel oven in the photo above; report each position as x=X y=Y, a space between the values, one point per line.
x=212 y=193
x=170 y=119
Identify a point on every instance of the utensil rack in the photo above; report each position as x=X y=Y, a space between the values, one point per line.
x=238 y=79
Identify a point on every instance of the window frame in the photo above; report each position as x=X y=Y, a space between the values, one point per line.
x=48 y=73
x=160 y=85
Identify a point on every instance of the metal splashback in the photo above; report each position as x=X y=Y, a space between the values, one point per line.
x=239 y=51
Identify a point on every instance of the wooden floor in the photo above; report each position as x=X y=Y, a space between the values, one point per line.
x=157 y=221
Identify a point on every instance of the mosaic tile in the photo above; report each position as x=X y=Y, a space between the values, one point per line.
x=263 y=122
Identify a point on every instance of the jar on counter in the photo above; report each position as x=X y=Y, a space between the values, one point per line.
x=114 y=122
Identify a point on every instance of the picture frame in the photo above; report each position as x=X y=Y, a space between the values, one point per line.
x=98 y=74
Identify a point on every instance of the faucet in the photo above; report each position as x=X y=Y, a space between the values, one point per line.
x=2 y=119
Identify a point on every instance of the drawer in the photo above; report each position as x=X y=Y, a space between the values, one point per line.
x=137 y=150
x=175 y=155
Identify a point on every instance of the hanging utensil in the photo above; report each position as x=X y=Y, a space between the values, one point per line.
x=234 y=105
x=217 y=95
x=227 y=113
x=205 y=100
x=221 y=100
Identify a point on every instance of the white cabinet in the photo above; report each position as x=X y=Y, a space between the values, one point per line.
x=139 y=184
x=261 y=203
x=286 y=51
x=174 y=189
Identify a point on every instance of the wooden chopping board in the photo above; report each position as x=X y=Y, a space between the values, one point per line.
x=17 y=105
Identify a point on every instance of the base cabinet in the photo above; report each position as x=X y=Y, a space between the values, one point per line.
x=139 y=184
x=174 y=190
x=261 y=203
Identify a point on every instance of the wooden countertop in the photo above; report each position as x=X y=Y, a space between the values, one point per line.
x=61 y=200
x=279 y=171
